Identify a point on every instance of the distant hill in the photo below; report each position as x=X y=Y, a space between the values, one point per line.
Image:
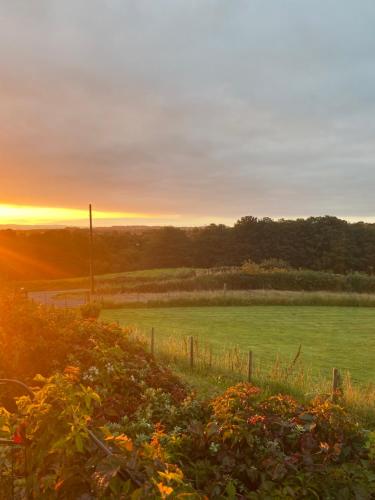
x=129 y=229
x=22 y=227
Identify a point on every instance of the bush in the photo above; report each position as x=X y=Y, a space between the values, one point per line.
x=267 y=265
x=275 y=448
x=90 y=311
x=40 y=340
x=93 y=376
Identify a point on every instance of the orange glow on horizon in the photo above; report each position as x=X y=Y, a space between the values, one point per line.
x=17 y=262
x=29 y=214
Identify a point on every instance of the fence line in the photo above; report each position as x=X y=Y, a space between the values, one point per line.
x=199 y=355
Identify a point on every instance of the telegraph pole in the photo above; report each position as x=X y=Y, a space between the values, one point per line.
x=92 y=284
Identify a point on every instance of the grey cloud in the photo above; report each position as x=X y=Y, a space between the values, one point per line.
x=202 y=108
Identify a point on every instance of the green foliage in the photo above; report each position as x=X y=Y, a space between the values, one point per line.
x=316 y=243
x=93 y=376
x=268 y=265
x=57 y=427
x=162 y=442
x=91 y=310
x=275 y=448
x=273 y=264
x=232 y=298
x=64 y=461
x=33 y=341
x=252 y=276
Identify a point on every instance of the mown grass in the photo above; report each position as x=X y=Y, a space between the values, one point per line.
x=341 y=337
x=329 y=337
x=105 y=280
x=212 y=374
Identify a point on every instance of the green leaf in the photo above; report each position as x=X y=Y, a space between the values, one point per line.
x=79 y=442
x=137 y=494
x=230 y=490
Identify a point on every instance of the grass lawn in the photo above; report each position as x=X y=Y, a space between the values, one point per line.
x=342 y=337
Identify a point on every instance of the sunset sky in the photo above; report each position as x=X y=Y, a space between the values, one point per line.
x=186 y=111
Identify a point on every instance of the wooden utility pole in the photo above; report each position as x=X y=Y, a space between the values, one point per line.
x=92 y=284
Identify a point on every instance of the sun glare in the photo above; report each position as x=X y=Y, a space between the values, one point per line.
x=28 y=214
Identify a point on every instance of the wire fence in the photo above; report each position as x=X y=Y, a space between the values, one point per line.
x=290 y=374
x=204 y=357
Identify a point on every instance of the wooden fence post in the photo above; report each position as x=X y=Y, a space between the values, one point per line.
x=153 y=341
x=250 y=366
x=335 y=384
x=191 y=352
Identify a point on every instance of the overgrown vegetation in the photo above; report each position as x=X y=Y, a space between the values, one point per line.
x=231 y=298
x=164 y=443
x=248 y=277
x=90 y=310
x=236 y=279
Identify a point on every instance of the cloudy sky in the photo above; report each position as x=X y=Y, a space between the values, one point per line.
x=188 y=111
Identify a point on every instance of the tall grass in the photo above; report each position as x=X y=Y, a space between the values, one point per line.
x=237 y=298
x=189 y=279
x=273 y=374
x=237 y=279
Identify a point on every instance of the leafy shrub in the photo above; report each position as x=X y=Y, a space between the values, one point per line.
x=251 y=267
x=267 y=265
x=275 y=448
x=275 y=264
x=161 y=441
x=34 y=341
x=40 y=340
x=90 y=311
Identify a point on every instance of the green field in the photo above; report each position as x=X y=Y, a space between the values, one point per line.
x=342 y=337
x=106 y=279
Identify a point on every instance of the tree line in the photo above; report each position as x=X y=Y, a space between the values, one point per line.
x=317 y=243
